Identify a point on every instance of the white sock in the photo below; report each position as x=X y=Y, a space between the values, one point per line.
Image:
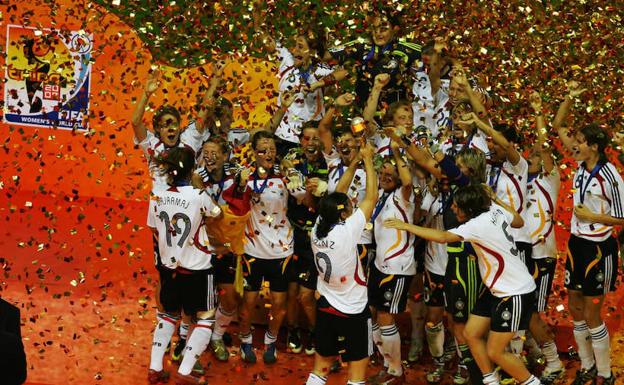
x=491 y=379
x=517 y=342
x=532 y=380
x=417 y=316
x=222 y=321
x=391 y=342
x=196 y=344
x=269 y=338
x=246 y=338
x=314 y=379
x=583 y=341
x=435 y=340
x=356 y=382
x=162 y=336
x=552 y=357
x=379 y=343
x=600 y=344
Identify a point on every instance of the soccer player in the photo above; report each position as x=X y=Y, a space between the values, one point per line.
x=394 y=266
x=306 y=169
x=592 y=263
x=344 y=325
x=506 y=307
x=175 y=216
x=542 y=193
x=269 y=246
x=383 y=53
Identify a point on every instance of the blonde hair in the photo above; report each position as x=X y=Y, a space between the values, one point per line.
x=474 y=160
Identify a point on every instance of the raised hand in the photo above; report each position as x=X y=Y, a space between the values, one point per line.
x=344 y=100
x=153 y=82
x=381 y=80
x=367 y=151
x=288 y=98
x=574 y=89
x=440 y=44
x=536 y=101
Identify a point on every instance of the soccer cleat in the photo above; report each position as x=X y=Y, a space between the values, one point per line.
x=552 y=376
x=270 y=354
x=385 y=378
x=198 y=369
x=435 y=376
x=600 y=380
x=219 y=350
x=176 y=354
x=583 y=376
x=461 y=376
x=294 y=341
x=154 y=377
x=415 y=351
x=247 y=353
x=181 y=379
x=309 y=346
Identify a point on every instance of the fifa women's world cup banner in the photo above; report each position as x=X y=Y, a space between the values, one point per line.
x=47 y=77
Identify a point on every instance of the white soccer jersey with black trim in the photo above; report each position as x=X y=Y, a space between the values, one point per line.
x=356 y=191
x=509 y=182
x=395 y=248
x=152 y=147
x=501 y=269
x=542 y=193
x=342 y=280
x=436 y=257
x=177 y=213
x=602 y=194
x=269 y=234
x=433 y=112
x=306 y=107
x=216 y=188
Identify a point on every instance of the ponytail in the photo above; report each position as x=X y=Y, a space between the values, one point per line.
x=177 y=165
x=330 y=209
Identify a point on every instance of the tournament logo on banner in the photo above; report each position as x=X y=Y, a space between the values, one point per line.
x=47 y=77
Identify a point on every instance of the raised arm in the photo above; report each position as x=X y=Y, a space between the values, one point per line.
x=208 y=99
x=367 y=205
x=404 y=172
x=574 y=91
x=544 y=148
x=513 y=156
x=328 y=80
x=436 y=64
x=287 y=98
x=152 y=84
x=473 y=97
x=345 y=180
x=268 y=42
x=327 y=121
x=420 y=155
x=373 y=99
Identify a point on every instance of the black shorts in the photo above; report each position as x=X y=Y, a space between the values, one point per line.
x=224 y=267
x=388 y=292
x=420 y=248
x=256 y=270
x=525 y=252
x=350 y=335
x=591 y=267
x=508 y=314
x=191 y=292
x=462 y=280
x=301 y=268
x=434 y=289
x=544 y=274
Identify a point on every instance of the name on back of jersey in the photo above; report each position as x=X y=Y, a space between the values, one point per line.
x=173 y=201
x=324 y=243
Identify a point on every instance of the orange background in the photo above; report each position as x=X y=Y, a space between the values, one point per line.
x=104 y=163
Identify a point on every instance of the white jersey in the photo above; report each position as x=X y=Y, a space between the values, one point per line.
x=342 y=280
x=269 y=233
x=436 y=257
x=395 y=248
x=357 y=189
x=476 y=141
x=152 y=147
x=509 y=182
x=177 y=213
x=602 y=194
x=306 y=107
x=431 y=111
x=542 y=192
x=501 y=269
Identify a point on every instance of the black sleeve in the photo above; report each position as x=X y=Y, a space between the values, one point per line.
x=350 y=50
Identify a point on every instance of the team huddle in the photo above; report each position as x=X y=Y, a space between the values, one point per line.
x=406 y=195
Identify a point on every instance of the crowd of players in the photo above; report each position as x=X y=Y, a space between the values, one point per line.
x=406 y=195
